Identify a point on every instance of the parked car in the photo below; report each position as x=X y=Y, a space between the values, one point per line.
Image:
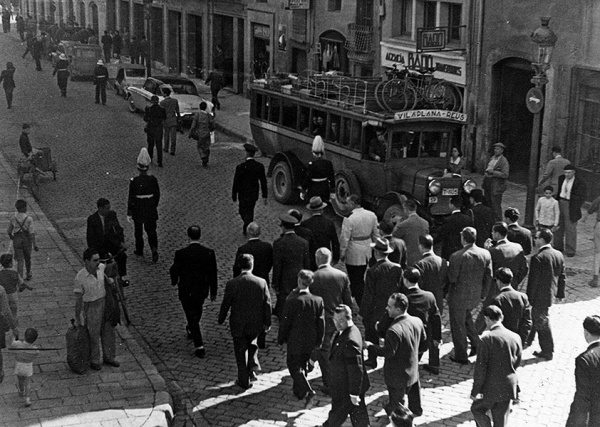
x=182 y=89
x=128 y=75
x=82 y=58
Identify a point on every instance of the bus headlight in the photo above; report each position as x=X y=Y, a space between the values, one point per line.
x=469 y=185
x=435 y=187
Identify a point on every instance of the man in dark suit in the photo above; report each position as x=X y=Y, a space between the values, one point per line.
x=333 y=286
x=434 y=271
x=302 y=328
x=382 y=280
x=483 y=216
x=404 y=340
x=514 y=305
x=409 y=230
x=307 y=235
x=571 y=196
x=398 y=246
x=585 y=409
x=469 y=277
x=449 y=234
x=422 y=304
x=290 y=255
x=194 y=270
x=322 y=228
x=262 y=252
x=248 y=297
x=495 y=381
x=105 y=234
x=248 y=176
x=516 y=233
x=349 y=377
x=546 y=281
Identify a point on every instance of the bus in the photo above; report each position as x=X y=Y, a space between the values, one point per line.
x=347 y=112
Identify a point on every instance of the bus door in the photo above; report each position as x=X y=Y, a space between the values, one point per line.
x=375 y=154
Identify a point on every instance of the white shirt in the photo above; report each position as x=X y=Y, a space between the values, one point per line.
x=90 y=286
x=565 y=191
x=547 y=211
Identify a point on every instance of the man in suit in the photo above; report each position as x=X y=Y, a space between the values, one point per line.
x=422 y=304
x=571 y=196
x=516 y=233
x=382 y=280
x=248 y=176
x=404 y=340
x=307 y=235
x=514 y=305
x=349 y=377
x=154 y=116
x=469 y=277
x=546 y=282
x=494 y=179
x=434 y=271
x=495 y=381
x=194 y=270
x=322 y=228
x=409 y=230
x=333 y=286
x=290 y=255
x=262 y=252
x=449 y=234
x=105 y=234
x=358 y=231
x=171 y=107
x=585 y=409
x=398 y=246
x=483 y=216
x=554 y=169
x=248 y=297
x=302 y=328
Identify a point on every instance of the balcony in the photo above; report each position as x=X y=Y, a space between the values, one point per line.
x=360 y=43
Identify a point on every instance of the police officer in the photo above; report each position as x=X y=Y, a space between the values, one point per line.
x=100 y=79
x=319 y=179
x=142 y=205
x=247 y=177
x=61 y=70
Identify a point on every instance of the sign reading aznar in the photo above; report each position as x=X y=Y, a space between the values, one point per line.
x=431 y=114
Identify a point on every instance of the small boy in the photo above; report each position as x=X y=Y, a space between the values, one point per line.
x=547 y=211
x=25 y=354
x=11 y=282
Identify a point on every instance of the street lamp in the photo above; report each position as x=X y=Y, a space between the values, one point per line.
x=544 y=40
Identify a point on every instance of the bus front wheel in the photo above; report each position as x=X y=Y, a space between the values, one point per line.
x=345 y=185
x=282 y=184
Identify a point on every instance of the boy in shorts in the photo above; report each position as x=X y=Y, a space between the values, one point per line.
x=25 y=354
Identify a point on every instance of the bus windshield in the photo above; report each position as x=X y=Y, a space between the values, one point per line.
x=408 y=144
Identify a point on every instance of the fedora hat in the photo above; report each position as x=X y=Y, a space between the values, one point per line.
x=316 y=204
x=382 y=245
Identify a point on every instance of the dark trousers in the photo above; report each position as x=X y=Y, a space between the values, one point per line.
x=500 y=412
x=38 y=63
x=296 y=364
x=154 y=137
x=9 y=95
x=107 y=55
x=341 y=407
x=356 y=274
x=150 y=227
x=462 y=326
x=396 y=397
x=101 y=93
x=245 y=349
x=120 y=257
x=215 y=99
x=193 y=314
x=322 y=354
x=434 y=352
x=246 y=210
x=541 y=325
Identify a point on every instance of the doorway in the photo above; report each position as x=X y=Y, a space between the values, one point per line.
x=194 y=46
x=511 y=120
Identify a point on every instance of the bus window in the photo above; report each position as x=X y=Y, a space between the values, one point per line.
x=352 y=133
x=333 y=130
x=419 y=144
x=317 y=126
x=303 y=125
x=259 y=105
x=375 y=144
x=404 y=144
x=274 y=109
x=290 y=113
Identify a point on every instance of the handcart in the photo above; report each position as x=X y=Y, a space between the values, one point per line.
x=36 y=167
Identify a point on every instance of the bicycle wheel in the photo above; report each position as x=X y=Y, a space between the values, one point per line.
x=121 y=298
x=379 y=95
x=442 y=96
x=394 y=95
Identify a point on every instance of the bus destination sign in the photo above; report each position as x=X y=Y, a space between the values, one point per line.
x=432 y=115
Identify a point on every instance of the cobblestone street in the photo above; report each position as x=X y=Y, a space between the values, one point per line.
x=96 y=149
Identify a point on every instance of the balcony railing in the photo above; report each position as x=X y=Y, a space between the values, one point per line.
x=360 y=38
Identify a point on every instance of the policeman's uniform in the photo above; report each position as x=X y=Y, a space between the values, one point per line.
x=319 y=180
x=100 y=80
x=144 y=195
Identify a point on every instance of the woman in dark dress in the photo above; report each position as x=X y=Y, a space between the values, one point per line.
x=61 y=71
x=320 y=180
x=8 y=82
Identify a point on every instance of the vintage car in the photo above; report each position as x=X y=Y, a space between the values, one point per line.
x=127 y=75
x=182 y=89
x=82 y=58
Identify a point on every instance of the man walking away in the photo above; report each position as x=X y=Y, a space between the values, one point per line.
x=100 y=80
x=37 y=49
x=215 y=78
x=107 y=43
x=202 y=126
x=154 y=116
x=261 y=251
x=194 y=271
x=516 y=233
x=323 y=229
x=554 y=169
x=483 y=216
x=172 y=117
x=410 y=230
x=449 y=234
x=8 y=82
x=434 y=271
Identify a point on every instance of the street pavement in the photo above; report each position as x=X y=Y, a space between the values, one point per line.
x=96 y=149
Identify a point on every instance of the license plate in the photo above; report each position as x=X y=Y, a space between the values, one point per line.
x=433 y=199
x=450 y=192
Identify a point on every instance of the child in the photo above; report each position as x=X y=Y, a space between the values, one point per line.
x=11 y=282
x=21 y=232
x=547 y=211
x=595 y=208
x=25 y=353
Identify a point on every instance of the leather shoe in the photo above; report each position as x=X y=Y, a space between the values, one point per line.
x=95 y=367
x=154 y=257
x=252 y=376
x=125 y=283
x=310 y=365
x=244 y=386
x=113 y=363
x=371 y=363
x=434 y=370
x=473 y=351
x=543 y=355
x=200 y=353
x=461 y=361
x=308 y=399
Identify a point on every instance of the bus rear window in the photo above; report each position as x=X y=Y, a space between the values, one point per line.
x=274 y=109
x=290 y=113
x=259 y=106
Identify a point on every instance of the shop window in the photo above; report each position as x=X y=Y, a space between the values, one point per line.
x=451 y=16
x=334 y=5
x=317 y=124
x=304 y=120
x=334 y=129
x=402 y=17
x=289 y=114
x=429 y=14
x=589 y=133
x=274 y=109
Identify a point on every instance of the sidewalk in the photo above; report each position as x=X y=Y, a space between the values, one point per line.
x=132 y=395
